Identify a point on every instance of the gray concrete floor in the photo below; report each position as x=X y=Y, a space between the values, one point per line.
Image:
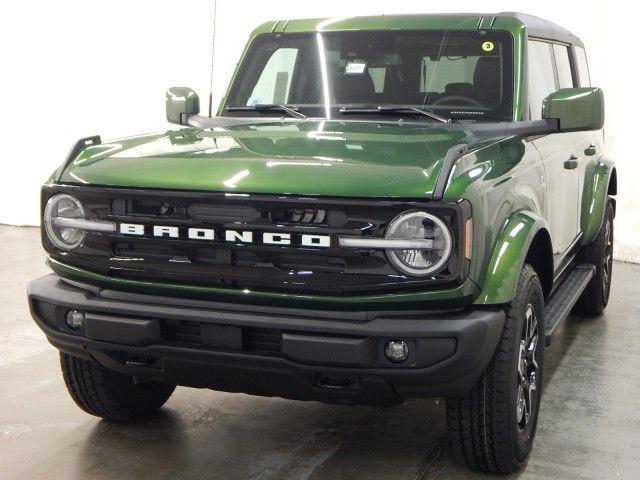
x=589 y=426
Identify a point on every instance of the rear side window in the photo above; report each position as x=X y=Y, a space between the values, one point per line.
x=563 y=64
x=583 y=67
x=542 y=79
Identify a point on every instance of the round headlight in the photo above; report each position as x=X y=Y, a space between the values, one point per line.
x=419 y=226
x=60 y=208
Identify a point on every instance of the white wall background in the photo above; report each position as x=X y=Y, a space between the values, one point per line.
x=73 y=68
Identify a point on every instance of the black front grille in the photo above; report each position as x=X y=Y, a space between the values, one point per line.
x=274 y=268
x=306 y=215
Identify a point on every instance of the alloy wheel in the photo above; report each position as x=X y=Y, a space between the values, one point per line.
x=527 y=369
x=607 y=258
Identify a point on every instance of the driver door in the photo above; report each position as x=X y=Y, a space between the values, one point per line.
x=558 y=152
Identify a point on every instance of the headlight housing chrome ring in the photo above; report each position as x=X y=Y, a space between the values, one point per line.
x=61 y=208
x=419 y=225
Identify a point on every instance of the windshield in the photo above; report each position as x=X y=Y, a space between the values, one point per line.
x=462 y=75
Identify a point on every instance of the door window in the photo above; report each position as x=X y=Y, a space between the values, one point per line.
x=583 y=67
x=542 y=79
x=563 y=64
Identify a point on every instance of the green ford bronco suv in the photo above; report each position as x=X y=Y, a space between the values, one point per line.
x=382 y=208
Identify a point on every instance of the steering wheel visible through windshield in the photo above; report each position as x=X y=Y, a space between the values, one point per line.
x=456 y=74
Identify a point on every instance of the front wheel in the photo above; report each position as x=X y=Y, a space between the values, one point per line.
x=111 y=395
x=493 y=426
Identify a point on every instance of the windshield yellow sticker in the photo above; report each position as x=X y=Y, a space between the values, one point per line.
x=488 y=46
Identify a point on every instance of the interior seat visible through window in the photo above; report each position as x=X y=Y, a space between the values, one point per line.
x=486 y=81
x=353 y=88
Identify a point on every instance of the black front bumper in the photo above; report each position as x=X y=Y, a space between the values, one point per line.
x=331 y=356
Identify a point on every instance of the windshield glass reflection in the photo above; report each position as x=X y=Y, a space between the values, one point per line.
x=459 y=75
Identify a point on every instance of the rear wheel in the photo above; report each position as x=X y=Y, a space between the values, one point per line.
x=111 y=395
x=492 y=427
x=595 y=297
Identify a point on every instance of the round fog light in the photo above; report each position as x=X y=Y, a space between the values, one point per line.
x=75 y=319
x=396 y=351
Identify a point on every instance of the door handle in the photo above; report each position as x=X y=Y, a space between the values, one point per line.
x=572 y=163
x=591 y=150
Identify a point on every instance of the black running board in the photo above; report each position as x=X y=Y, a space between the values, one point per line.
x=563 y=300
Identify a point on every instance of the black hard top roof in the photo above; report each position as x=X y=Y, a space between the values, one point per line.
x=539 y=27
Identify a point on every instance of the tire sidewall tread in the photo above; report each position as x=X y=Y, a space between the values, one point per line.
x=594 y=299
x=482 y=425
x=108 y=394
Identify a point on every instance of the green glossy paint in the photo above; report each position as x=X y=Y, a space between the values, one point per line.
x=593 y=198
x=180 y=102
x=307 y=158
x=502 y=176
x=507 y=259
x=519 y=32
x=578 y=108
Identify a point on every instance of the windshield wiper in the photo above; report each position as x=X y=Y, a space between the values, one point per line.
x=390 y=110
x=266 y=107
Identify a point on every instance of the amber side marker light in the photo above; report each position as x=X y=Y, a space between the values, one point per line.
x=468 y=238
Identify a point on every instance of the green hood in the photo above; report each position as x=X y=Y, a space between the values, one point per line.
x=332 y=158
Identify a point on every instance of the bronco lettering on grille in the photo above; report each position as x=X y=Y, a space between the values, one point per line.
x=229 y=236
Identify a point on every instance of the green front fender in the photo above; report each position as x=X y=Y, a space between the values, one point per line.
x=594 y=198
x=509 y=254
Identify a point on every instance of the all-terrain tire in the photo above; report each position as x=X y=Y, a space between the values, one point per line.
x=108 y=394
x=488 y=429
x=599 y=252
